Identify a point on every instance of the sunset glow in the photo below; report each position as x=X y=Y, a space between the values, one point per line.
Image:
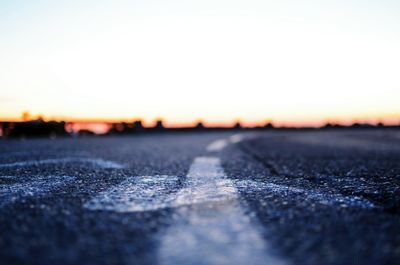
x=290 y=62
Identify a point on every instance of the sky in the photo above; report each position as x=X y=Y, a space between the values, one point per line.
x=213 y=60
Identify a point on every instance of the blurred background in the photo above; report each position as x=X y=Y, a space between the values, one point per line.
x=93 y=64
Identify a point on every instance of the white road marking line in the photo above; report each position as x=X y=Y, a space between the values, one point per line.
x=236 y=138
x=137 y=194
x=92 y=161
x=220 y=144
x=218 y=233
x=41 y=185
x=149 y=193
x=319 y=197
x=217 y=145
x=205 y=182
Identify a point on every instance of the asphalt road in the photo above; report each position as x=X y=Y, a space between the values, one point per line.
x=318 y=197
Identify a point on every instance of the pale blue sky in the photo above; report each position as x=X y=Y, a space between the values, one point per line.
x=216 y=60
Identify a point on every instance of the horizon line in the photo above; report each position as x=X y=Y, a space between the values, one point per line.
x=176 y=124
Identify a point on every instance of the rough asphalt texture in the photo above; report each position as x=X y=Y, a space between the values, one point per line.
x=321 y=197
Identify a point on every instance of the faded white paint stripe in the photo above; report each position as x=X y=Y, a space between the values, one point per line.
x=137 y=194
x=236 y=138
x=39 y=186
x=91 y=161
x=212 y=233
x=149 y=193
x=312 y=195
x=217 y=145
x=205 y=182
x=220 y=144
x=210 y=226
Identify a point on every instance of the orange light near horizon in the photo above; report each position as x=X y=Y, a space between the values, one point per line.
x=218 y=61
x=102 y=125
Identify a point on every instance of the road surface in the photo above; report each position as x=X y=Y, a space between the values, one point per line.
x=273 y=197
